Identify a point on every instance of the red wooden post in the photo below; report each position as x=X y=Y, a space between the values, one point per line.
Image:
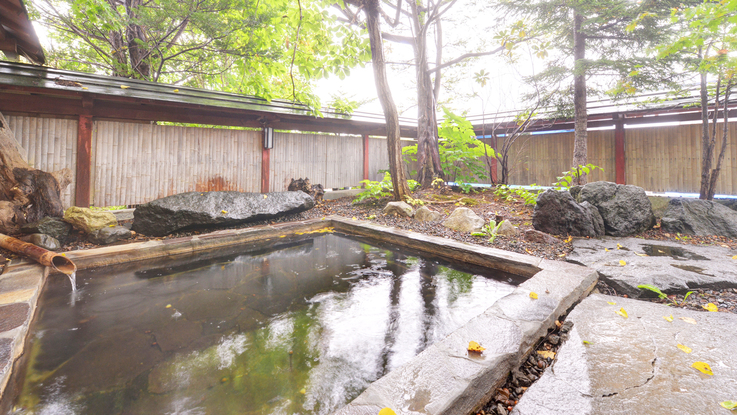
x=265 y=164
x=619 y=158
x=84 y=161
x=492 y=144
x=365 y=157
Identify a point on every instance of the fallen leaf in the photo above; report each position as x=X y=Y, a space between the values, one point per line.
x=355 y=218
x=528 y=251
x=176 y=90
x=387 y=411
x=558 y=324
x=729 y=404
x=586 y=342
x=533 y=295
x=303 y=391
x=669 y=318
x=688 y=320
x=622 y=312
x=710 y=307
x=265 y=196
x=725 y=246
x=703 y=368
x=734 y=257
x=474 y=347
x=224 y=212
x=639 y=254
x=85 y=88
x=545 y=354
x=685 y=349
x=561 y=255
x=611 y=303
x=622 y=262
x=619 y=246
x=124 y=87
x=569 y=239
x=282 y=236
x=606 y=249
x=168 y=306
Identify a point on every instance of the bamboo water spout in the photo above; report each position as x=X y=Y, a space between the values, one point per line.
x=50 y=259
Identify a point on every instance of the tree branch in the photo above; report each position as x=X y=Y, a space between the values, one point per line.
x=466 y=56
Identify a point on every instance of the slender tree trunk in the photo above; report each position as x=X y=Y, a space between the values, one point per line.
x=706 y=149
x=120 y=63
x=428 y=156
x=579 y=96
x=396 y=164
x=725 y=133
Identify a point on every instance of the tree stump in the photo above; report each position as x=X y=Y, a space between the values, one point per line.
x=26 y=194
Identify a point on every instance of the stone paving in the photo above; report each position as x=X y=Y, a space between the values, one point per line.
x=633 y=365
x=670 y=266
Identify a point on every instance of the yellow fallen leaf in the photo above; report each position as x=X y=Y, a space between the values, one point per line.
x=729 y=404
x=561 y=255
x=639 y=254
x=355 y=218
x=224 y=212
x=606 y=249
x=124 y=87
x=223 y=267
x=176 y=90
x=265 y=196
x=710 y=307
x=303 y=391
x=545 y=354
x=688 y=320
x=387 y=411
x=734 y=257
x=282 y=236
x=533 y=295
x=669 y=318
x=85 y=88
x=586 y=342
x=619 y=246
x=622 y=312
x=703 y=368
x=622 y=262
x=474 y=347
x=685 y=349
x=569 y=239
x=168 y=306
x=611 y=303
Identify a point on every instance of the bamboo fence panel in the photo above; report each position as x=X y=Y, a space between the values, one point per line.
x=50 y=145
x=136 y=163
x=335 y=161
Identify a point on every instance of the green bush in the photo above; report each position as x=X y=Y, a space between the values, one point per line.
x=570 y=177
x=384 y=188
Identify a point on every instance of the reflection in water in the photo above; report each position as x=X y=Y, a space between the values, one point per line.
x=301 y=329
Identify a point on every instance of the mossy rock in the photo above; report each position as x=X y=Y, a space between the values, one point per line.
x=467 y=201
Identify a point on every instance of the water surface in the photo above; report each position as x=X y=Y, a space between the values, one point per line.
x=302 y=328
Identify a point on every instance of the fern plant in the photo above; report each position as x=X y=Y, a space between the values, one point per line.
x=490 y=229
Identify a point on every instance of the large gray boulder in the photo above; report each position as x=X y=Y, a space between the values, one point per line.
x=399 y=209
x=109 y=235
x=424 y=214
x=46 y=242
x=557 y=213
x=625 y=209
x=699 y=217
x=166 y=215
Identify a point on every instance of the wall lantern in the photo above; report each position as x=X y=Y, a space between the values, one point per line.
x=268 y=137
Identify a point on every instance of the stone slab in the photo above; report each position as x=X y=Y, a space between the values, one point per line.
x=633 y=365
x=670 y=266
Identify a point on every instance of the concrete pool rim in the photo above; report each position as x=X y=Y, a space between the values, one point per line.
x=443 y=379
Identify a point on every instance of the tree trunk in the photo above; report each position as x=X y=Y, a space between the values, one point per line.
x=579 y=96
x=136 y=40
x=725 y=133
x=26 y=195
x=428 y=155
x=396 y=164
x=707 y=152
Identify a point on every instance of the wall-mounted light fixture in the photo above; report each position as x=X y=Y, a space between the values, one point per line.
x=268 y=137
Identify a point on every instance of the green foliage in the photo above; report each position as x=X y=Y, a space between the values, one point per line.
x=460 y=151
x=273 y=49
x=490 y=230
x=505 y=192
x=384 y=188
x=570 y=177
x=654 y=289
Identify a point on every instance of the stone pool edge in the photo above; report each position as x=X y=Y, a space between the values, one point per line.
x=447 y=388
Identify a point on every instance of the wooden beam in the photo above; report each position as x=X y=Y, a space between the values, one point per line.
x=84 y=161
x=365 y=157
x=265 y=164
x=619 y=154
